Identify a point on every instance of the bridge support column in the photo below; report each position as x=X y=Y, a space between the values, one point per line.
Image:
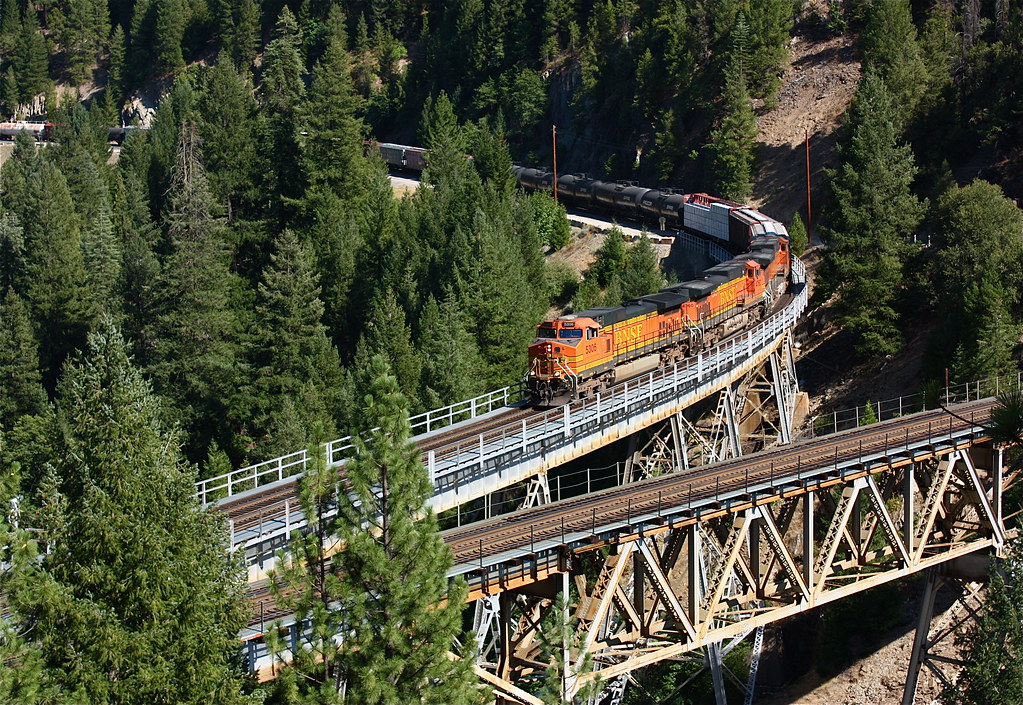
x=966 y=608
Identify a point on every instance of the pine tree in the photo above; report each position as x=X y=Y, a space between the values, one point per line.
x=240 y=30
x=227 y=123
x=282 y=64
x=391 y=574
x=9 y=99
x=314 y=673
x=333 y=148
x=147 y=565
x=102 y=256
x=21 y=389
x=81 y=28
x=872 y=216
x=891 y=51
x=734 y=141
x=338 y=243
x=610 y=258
x=23 y=679
x=116 y=70
x=797 y=235
x=140 y=270
x=290 y=353
x=642 y=272
x=30 y=59
x=12 y=251
x=57 y=290
x=386 y=334
x=281 y=92
x=170 y=30
x=452 y=365
x=195 y=360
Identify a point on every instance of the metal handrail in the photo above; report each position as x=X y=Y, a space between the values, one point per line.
x=276 y=469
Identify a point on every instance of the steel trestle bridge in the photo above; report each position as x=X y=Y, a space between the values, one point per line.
x=720 y=545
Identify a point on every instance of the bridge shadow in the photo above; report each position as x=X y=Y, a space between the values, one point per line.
x=824 y=646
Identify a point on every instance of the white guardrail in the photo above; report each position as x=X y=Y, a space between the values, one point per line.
x=247 y=478
x=505 y=455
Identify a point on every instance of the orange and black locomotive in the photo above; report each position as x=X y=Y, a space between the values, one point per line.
x=577 y=354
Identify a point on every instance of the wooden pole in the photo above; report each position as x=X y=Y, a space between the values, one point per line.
x=554 y=143
x=809 y=207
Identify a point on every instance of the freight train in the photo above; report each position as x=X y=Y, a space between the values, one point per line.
x=41 y=131
x=584 y=352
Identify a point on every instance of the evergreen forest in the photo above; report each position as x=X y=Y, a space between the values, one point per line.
x=238 y=280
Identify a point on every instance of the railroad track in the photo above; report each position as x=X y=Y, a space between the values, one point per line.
x=620 y=504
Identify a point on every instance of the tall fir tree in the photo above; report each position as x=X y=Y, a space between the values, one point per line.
x=890 y=50
x=57 y=291
x=170 y=31
x=81 y=28
x=290 y=354
x=387 y=334
x=733 y=142
x=227 y=123
x=332 y=118
x=12 y=251
x=452 y=364
x=197 y=338
x=873 y=214
x=21 y=389
x=281 y=91
x=30 y=59
x=147 y=565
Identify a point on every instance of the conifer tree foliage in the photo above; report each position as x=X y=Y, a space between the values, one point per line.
x=23 y=679
x=734 y=141
x=21 y=390
x=993 y=673
x=138 y=599
x=391 y=572
x=305 y=581
x=57 y=291
x=29 y=59
x=978 y=279
x=291 y=356
x=872 y=217
x=227 y=123
x=332 y=119
x=891 y=51
x=195 y=361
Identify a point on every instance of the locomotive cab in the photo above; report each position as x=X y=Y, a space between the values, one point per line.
x=554 y=357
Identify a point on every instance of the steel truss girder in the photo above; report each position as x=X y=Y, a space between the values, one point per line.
x=779 y=557
x=756 y=411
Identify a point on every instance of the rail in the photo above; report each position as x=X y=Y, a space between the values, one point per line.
x=511 y=453
x=274 y=470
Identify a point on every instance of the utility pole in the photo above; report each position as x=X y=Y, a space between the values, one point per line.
x=809 y=207
x=554 y=143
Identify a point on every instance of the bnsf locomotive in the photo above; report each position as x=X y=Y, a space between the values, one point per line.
x=584 y=352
